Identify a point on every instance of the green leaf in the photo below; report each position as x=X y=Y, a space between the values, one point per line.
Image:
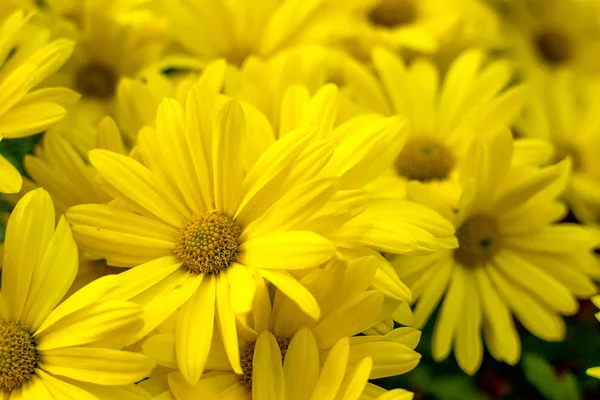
x=540 y=374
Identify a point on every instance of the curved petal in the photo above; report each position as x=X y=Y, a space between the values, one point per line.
x=301 y=366
x=10 y=178
x=29 y=231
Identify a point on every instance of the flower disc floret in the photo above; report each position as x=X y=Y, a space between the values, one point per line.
x=18 y=356
x=553 y=46
x=425 y=159
x=208 y=243
x=478 y=240
x=96 y=80
x=394 y=13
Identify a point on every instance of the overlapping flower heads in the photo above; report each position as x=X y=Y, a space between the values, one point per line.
x=267 y=200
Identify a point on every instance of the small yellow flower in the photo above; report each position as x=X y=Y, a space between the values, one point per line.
x=66 y=350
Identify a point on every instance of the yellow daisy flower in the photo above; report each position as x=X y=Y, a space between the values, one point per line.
x=236 y=30
x=473 y=99
x=109 y=47
x=67 y=350
x=64 y=171
x=23 y=110
x=511 y=259
x=414 y=25
x=562 y=113
x=595 y=372
x=545 y=35
x=301 y=344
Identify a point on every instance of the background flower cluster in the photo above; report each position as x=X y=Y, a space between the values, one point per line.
x=299 y=199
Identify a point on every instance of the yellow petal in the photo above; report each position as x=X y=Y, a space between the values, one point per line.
x=61 y=389
x=267 y=372
x=96 y=365
x=161 y=349
x=10 y=178
x=95 y=323
x=227 y=147
x=293 y=289
x=242 y=287
x=355 y=383
x=301 y=249
x=136 y=183
x=227 y=324
x=446 y=323
x=34 y=388
x=468 y=347
x=301 y=366
x=333 y=371
x=53 y=276
x=29 y=231
x=194 y=331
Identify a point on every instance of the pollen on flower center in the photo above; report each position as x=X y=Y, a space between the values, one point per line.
x=425 y=159
x=208 y=243
x=18 y=356
x=478 y=240
x=96 y=80
x=248 y=355
x=553 y=46
x=394 y=13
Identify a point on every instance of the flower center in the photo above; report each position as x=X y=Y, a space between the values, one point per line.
x=18 y=356
x=96 y=80
x=553 y=46
x=394 y=13
x=425 y=159
x=208 y=243
x=478 y=241
x=248 y=355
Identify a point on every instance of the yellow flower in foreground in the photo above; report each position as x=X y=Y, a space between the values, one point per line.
x=564 y=112
x=511 y=259
x=595 y=372
x=274 y=333
x=68 y=350
x=201 y=223
x=24 y=111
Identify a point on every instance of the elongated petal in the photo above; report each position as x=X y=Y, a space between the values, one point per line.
x=53 y=277
x=29 y=231
x=95 y=365
x=286 y=250
x=194 y=330
x=334 y=369
x=61 y=389
x=243 y=287
x=267 y=372
x=135 y=183
x=227 y=165
x=301 y=366
x=227 y=324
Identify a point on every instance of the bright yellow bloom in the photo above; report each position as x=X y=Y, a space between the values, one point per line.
x=415 y=25
x=444 y=117
x=512 y=258
x=547 y=35
x=67 y=350
x=301 y=345
x=235 y=30
x=595 y=372
x=564 y=111
x=23 y=110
